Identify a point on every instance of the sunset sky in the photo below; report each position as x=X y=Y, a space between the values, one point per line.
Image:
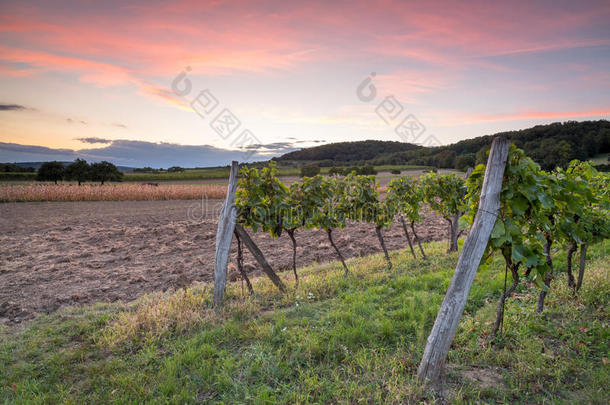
x=94 y=78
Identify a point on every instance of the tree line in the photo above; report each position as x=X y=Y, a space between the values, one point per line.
x=13 y=168
x=553 y=145
x=79 y=171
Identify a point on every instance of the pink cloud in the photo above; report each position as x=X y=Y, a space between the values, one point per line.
x=428 y=45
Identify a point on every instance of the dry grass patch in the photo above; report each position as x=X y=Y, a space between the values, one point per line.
x=108 y=192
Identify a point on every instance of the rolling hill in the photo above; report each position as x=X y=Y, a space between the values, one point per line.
x=550 y=145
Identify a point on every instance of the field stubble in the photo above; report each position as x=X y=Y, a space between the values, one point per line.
x=109 y=192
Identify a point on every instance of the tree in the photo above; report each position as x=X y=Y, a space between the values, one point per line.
x=310 y=170
x=407 y=196
x=79 y=170
x=463 y=162
x=446 y=159
x=105 y=171
x=444 y=193
x=51 y=171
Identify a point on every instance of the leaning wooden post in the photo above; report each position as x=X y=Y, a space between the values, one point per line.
x=260 y=258
x=224 y=236
x=449 y=314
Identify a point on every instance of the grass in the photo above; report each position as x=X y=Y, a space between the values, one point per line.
x=222 y=173
x=212 y=173
x=107 y=192
x=333 y=340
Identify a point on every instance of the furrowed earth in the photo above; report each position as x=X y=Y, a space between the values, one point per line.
x=58 y=254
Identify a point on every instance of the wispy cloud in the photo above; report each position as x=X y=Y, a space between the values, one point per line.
x=71 y=121
x=94 y=140
x=12 y=107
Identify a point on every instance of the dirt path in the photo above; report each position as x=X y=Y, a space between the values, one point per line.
x=56 y=254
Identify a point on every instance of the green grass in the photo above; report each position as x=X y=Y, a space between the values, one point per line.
x=334 y=340
x=222 y=173
x=212 y=173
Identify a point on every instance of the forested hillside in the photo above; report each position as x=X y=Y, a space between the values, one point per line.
x=349 y=151
x=550 y=145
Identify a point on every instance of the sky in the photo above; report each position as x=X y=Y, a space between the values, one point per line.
x=199 y=83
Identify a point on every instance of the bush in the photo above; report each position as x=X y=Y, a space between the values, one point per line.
x=395 y=171
x=366 y=170
x=310 y=170
x=335 y=171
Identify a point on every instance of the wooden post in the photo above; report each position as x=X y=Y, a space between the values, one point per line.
x=449 y=314
x=260 y=258
x=224 y=236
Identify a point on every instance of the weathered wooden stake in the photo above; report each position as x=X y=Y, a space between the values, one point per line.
x=224 y=236
x=452 y=307
x=260 y=258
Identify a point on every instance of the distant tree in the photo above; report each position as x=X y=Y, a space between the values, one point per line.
x=51 y=171
x=367 y=170
x=446 y=159
x=105 y=171
x=13 y=168
x=310 y=170
x=79 y=170
x=335 y=171
x=481 y=156
x=175 y=169
x=463 y=162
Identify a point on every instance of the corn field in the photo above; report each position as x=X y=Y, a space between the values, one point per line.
x=108 y=192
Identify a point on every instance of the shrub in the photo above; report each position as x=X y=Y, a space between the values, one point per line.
x=335 y=171
x=310 y=170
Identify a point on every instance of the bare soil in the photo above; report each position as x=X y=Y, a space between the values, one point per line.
x=56 y=254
